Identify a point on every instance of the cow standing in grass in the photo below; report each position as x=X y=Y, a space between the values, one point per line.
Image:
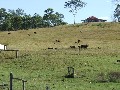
x=84 y=46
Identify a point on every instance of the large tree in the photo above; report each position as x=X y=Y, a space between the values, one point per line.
x=74 y=6
x=52 y=19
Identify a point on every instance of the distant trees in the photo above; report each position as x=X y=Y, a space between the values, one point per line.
x=74 y=6
x=18 y=20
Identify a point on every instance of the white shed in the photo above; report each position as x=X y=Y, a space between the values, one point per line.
x=3 y=47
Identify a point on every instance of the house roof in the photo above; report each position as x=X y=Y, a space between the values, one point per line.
x=93 y=19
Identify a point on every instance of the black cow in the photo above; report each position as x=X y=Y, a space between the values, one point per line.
x=50 y=48
x=57 y=40
x=35 y=32
x=118 y=60
x=72 y=46
x=84 y=46
x=78 y=41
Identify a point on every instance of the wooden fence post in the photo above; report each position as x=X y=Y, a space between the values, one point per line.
x=79 y=49
x=16 y=53
x=11 y=77
x=70 y=72
x=23 y=81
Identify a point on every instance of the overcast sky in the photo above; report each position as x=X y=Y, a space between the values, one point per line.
x=102 y=9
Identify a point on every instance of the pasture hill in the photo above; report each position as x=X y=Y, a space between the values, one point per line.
x=46 y=53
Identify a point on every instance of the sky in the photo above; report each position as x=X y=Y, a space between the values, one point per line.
x=102 y=9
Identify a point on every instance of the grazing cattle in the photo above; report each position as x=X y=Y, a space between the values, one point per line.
x=28 y=34
x=72 y=46
x=50 y=48
x=35 y=32
x=9 y=33
x=99 y=47
x=79 y=47
x=78 y=41
x=57 y=40
x=118 y=60
x=84 y=46
x=55 y=48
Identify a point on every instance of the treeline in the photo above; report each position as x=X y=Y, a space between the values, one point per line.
x=19 y=20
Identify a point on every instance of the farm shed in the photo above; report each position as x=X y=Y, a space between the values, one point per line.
x=3 y=47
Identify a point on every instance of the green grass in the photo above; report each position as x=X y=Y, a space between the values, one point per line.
x=43 y=67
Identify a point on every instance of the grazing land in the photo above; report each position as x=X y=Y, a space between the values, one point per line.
x=45 y=54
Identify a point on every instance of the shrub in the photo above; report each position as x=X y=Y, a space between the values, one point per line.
x=114 y=77
x=102 y=25
x=101 y=77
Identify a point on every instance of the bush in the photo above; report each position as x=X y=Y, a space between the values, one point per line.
x=101 y=25
x=101 y=77
x=114 y=77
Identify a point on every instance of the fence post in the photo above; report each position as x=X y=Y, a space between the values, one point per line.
x=23 y=81
x=11 y=77
x=16 y=53
x=79 y=49
x=70 y=72
x=47 y=87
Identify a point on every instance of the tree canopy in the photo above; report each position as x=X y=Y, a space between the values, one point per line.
x=19 y=20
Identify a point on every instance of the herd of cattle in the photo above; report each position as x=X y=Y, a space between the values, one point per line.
x=83 y=46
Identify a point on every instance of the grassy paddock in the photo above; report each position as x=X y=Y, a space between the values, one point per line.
x=43 y=67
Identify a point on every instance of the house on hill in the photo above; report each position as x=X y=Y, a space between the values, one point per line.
x=93 y=19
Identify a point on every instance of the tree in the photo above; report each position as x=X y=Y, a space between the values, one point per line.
x=7 y=25
x=2 y=17
x=117 y=13
x=58 y=20
x=17 y=16
x=36 y=21
x=26 y=22
x=49 y=17
x=52 y=19
x=74 y=6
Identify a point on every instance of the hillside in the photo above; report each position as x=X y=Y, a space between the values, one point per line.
x=41 y=66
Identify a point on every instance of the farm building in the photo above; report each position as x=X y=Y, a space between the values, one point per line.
x=3 y=47
x=93 y=19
